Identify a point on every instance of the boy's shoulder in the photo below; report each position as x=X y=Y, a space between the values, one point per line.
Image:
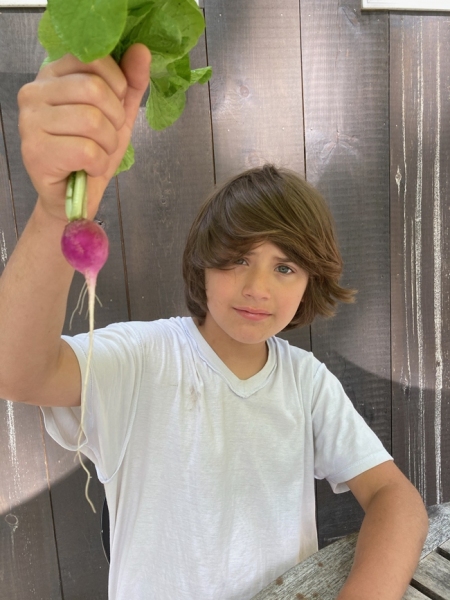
x=298 y=357
x=286 y=346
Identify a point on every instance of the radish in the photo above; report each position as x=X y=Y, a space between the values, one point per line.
x=85 y=246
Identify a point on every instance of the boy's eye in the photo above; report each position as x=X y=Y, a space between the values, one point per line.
x=285 y=269
x=239 y=261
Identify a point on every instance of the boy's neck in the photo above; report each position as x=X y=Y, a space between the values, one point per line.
x=243 y=360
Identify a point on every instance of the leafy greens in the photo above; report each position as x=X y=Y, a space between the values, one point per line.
x=92 y=29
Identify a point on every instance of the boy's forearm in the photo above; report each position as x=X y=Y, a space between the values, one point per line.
x=389 y=546
x=33 y=295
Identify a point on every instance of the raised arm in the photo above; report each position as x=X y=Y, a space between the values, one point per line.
x=73 y=116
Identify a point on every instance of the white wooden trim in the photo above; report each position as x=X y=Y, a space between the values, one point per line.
x=22 y=3
x=39 y=3
x=406 y=5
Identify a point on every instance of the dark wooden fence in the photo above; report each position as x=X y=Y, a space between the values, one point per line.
x=359 y=104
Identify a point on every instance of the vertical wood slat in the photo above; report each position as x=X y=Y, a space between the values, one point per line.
x=77 y=527
x=8 y=236
x=345 y=81
x=26 y=526
x=159 y=199
x=28 y=558
x=256 y=95
x=420 y=143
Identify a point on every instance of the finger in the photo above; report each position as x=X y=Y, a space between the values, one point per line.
x=84 y=88
x=106 y=68
x=135 y=65
x=68 y=153
x=80 y=121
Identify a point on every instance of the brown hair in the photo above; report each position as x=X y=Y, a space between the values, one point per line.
x=267 y=204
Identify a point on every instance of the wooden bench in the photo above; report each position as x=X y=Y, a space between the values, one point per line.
x=321 y=576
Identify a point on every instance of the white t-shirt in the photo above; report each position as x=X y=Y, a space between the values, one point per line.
x=209 y=479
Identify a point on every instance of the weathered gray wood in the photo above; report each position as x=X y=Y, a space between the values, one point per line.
x=432 y=576
x=345 y=82
x=319 y=576
x=439 y=530
x=26 y=526
x=77 y=536
x=323 y=574
x=8 y=235
x=420 y=171
x=84 y=569
x=20 y=59
x=413 y=594
x=28 y=560
x=256 y=92
x=159 y=198
x=444 y=549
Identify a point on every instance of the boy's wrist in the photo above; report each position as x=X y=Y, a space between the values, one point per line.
x=46 y=215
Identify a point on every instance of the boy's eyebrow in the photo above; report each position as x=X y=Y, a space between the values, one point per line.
x=280 y=258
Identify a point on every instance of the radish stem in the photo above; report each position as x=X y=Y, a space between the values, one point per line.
x=76 y=196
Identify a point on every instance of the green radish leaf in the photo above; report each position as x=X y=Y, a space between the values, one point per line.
x=50 y=39
x=161 y=110
x=89 y=28
x=201 y=75
x=127 y=160
x=181 y=70
x=170 y=30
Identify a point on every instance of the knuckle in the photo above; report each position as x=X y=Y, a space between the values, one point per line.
x=93 y=159
x=25 y=93
x=90 y=152
x=94 y=120
x=95 y=89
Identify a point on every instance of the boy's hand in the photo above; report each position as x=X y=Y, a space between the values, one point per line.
x=80 y=116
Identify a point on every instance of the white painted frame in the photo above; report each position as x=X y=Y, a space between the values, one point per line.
x=40 y=3
x=22 y=3
x=433 y=5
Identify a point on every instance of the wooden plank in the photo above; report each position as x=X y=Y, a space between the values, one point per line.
x=444 y=549
x=28 y=558
x=256 y=95
x=420 y=77
x=413 y=594
x=160 y=197
x=439 y=530
x=81 y=559
x=432 y=577
x=345 y=81
x=8 y=234
x=28 y=561
x=84 y=569
x=323 y=574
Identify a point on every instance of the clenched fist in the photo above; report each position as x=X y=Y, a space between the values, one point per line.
x=77 y=116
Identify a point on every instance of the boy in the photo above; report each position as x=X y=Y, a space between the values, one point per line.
x=206 y=431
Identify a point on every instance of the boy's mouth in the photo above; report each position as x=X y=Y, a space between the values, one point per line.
x=253 y=314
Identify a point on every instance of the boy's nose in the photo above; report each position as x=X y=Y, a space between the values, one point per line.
x=256 y=286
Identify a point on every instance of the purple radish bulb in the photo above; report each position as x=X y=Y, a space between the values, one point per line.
x=85 y=246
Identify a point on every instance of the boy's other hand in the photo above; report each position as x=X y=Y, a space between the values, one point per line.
x=80 y=116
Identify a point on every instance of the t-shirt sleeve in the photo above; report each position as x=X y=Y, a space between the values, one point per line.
x=111 y=396
x=344 y=445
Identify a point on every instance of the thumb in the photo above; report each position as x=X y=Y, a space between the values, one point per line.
x=135 y=65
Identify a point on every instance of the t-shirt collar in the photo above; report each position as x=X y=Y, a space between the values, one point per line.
x=243 y=388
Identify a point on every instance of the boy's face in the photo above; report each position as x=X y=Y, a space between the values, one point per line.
x=256 y=298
